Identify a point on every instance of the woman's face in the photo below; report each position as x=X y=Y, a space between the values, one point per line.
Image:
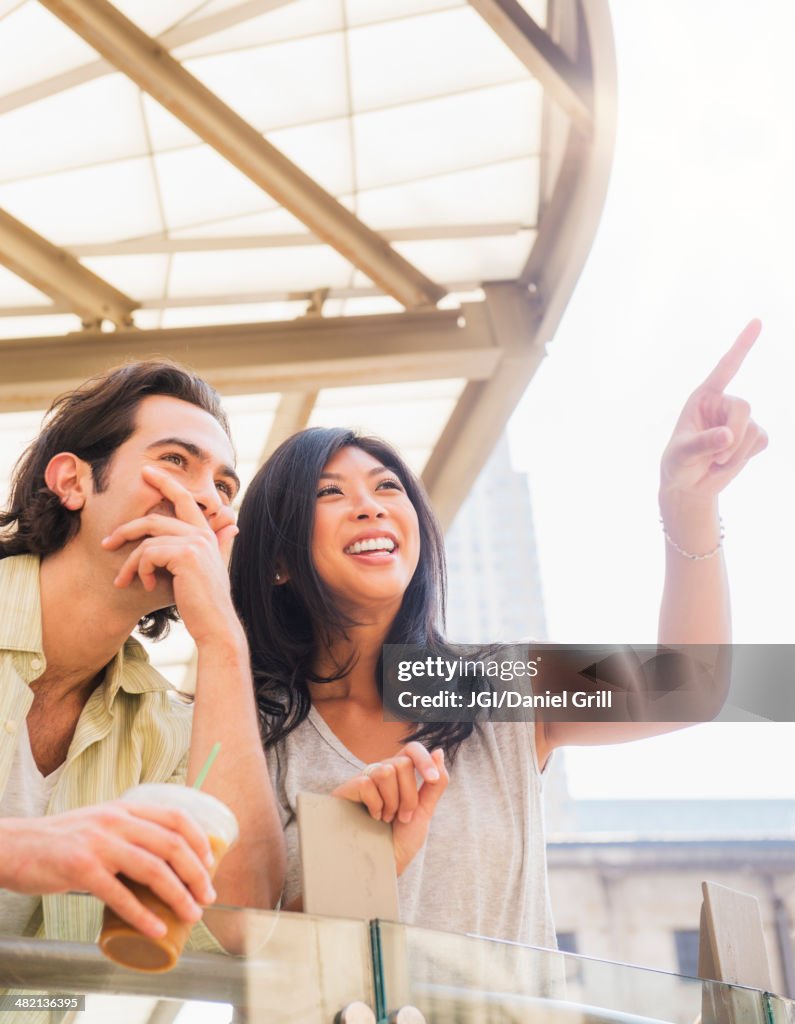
x=366 y=538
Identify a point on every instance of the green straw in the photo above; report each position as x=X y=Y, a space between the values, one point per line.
x=207 y=766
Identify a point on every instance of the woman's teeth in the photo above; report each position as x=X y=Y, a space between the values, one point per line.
x=376 y=544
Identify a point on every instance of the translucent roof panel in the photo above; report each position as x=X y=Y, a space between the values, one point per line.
x=215 y=6
x=412 y=113
x=154 y=16
x=402 y=61
x=247 y=81
x=448 y=134
x=469 y=259
x=142 y=276
x=28 y=33
x=37 y=326
x=234 y=313
x=290 y=19
x=198 y=184
x=166 y=132
x=16 y=292
x=410 y=416
x=505 y=192
x=115 y=200
x=42 y=138
x=322 y=150
x=367 y=12
x=264 y=222
x=267 y=270
x=250 y=417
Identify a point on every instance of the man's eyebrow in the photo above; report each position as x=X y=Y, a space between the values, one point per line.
x=197 y=453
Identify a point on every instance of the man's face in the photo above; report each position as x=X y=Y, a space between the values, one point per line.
x=175 y=437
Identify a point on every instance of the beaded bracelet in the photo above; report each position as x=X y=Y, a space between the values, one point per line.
x=689 y=554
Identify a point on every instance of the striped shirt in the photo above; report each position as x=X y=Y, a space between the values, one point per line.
x=130 y=731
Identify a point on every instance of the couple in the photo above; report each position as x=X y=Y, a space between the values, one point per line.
x=121 y=514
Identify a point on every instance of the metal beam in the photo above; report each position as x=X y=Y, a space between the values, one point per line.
x=293 y=413
x=49 y=966
x=59 y=275
x=525 y=315
x=484 y=407
x=147 y=63
x=180 y=35
x=222 y=243
x=569 y=220
x=234 y=299
x=298 y=355
x=541 y=55
x=547 y=256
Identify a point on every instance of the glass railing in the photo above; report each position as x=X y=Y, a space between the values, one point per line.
x=282 y=967
x=459 y=978
x=779 y=1010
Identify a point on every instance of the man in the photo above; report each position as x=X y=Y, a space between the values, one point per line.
x=120 y=514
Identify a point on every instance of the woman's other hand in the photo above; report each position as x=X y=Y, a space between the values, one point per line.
x=390 y=792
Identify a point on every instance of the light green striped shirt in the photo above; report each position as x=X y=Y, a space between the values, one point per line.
x=131 y=729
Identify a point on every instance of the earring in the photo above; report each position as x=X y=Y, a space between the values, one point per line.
x=277 y=578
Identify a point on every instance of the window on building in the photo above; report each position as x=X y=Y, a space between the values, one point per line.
x=687 y=952
x=567 y=942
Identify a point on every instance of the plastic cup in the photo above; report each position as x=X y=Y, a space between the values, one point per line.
x=124 y=944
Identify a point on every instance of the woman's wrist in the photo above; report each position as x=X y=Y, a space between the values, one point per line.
x=692 y=526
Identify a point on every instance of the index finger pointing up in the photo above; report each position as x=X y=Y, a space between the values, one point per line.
x=730 y=363
x=183 y=501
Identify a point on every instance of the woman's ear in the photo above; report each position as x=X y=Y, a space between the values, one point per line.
x=68 y=477
x=280 y=577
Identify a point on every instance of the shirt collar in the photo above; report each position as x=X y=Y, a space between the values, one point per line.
x=130 y=671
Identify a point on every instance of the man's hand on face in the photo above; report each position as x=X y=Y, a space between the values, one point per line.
x=192 y=547
x=84 y=851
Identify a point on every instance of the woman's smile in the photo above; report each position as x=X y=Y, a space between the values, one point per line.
x=373 y=548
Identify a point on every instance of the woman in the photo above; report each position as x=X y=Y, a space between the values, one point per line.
x=338 y=554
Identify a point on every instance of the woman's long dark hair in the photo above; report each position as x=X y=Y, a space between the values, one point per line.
x=284 y=621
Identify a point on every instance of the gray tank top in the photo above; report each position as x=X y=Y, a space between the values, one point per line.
x=483 y=867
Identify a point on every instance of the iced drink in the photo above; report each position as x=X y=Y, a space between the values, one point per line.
x=119 y=940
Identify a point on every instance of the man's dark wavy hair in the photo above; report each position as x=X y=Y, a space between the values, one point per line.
x=92 y=422
x=285 y=622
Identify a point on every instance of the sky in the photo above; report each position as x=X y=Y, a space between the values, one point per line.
x=696 y=238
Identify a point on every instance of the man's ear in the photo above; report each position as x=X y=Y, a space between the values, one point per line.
x=69 y=478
